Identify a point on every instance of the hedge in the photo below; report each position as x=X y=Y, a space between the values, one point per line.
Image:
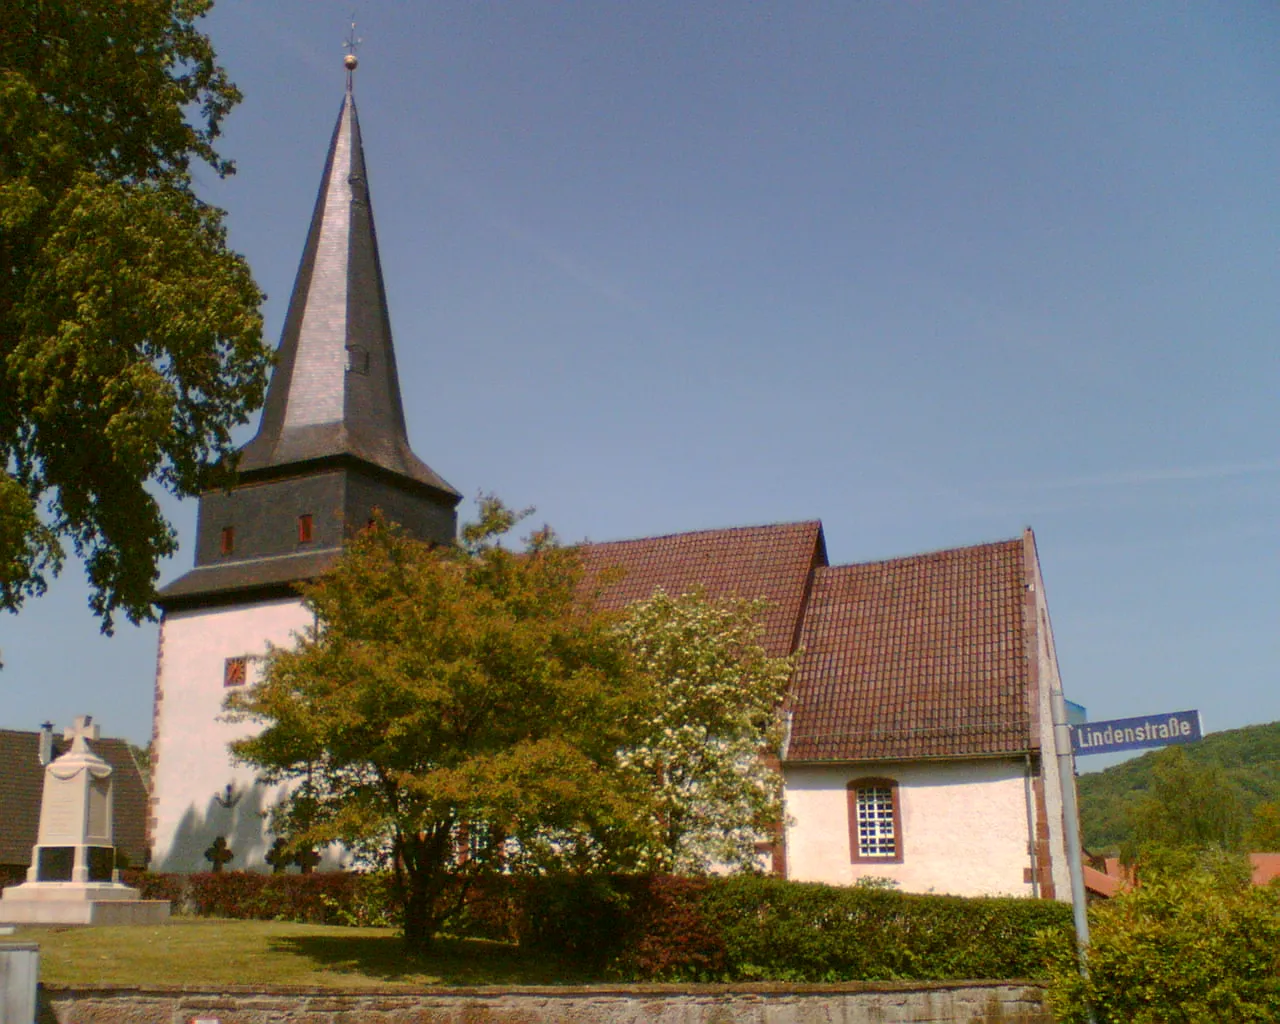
x=317 y=898
x=752 y=928
x=1174 y=951
x=636 y=927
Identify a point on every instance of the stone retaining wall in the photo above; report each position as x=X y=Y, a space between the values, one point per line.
x=1010 y=1002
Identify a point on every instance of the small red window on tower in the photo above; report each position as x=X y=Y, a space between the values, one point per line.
x=228 y=542
x=304 y=528
x=235 y=672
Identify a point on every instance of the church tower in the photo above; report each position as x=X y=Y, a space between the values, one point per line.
x=331 y=448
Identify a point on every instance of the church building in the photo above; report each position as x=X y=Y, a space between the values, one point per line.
x=918 y=748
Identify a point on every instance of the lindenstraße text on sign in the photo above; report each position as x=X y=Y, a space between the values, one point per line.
x=1159 y=730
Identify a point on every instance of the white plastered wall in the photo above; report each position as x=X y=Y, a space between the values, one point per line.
x=1048 y=678
x=964 y=826
x=192 y=764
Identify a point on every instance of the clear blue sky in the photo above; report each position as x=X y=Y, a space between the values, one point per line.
x=929 y=272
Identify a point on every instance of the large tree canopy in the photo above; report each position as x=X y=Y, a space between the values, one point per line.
x=460 y=710
x=452 y=708
x=1190 y=810
x=130 y=339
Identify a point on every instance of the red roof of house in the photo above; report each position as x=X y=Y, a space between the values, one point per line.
x=774 y=562
x=1266 y=867
x=1100 y=883
x=925 y=656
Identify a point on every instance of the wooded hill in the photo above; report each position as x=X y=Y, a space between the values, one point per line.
x=1249 y=757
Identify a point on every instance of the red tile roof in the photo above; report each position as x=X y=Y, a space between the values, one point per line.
x=924 y=656
x=773 y=562
x=1266 y=867
x=1102 y=883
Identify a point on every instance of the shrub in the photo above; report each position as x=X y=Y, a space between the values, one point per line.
x=671 y=937
x=810 y=932
x=491 y=910
x=583 y=917
x=1174 y=951
x=317 y=898
x=752 y=928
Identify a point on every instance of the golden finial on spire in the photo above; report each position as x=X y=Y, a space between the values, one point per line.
x=351 y=44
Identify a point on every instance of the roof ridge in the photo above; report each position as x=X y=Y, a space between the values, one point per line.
x=692 y=533
x=920 y=555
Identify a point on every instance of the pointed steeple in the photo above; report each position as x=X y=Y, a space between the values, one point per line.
x=335 y=391
x=331 y=450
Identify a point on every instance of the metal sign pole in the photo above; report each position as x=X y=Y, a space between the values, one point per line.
x=1071 y=820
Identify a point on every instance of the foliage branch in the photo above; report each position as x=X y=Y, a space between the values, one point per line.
x=1181 y=948
x=130 y=339
x=712 y=714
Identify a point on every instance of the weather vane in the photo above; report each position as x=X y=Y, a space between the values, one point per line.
x=351 y=44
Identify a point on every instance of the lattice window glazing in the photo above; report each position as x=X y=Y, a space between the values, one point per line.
x=875 y=822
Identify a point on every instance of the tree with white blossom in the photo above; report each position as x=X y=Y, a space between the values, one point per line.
x=711 y=715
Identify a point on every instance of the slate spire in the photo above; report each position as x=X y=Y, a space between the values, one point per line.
x=331 y=451
x=335 y=391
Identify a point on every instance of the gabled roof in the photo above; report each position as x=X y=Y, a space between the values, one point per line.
x=774 y=562
x=916 y=657
x=22 y=783
x=335 y=392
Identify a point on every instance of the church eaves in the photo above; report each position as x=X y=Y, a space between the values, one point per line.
x=335 y=393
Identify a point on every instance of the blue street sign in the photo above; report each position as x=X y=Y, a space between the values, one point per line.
x=1136 y=733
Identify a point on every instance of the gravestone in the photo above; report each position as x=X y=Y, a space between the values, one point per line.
x=73 y=877
x=279 y=857
x=218 y=854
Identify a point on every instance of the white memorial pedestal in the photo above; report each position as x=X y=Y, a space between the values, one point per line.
x=79 y=903
x=73 y=878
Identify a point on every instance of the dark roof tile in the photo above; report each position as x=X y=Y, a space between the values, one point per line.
x=246 y=579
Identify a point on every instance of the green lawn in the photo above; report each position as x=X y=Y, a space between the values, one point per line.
x=197 y=952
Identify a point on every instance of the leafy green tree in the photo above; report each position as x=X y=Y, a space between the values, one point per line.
x=130 y=341
x=712 y=713
x=1175 y=950
x=1189 y=808
x=451 y=708
x=1264 y=828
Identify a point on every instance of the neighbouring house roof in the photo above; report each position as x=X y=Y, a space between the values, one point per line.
x=1101 y=883
x=925 y=656
x=774 y=562
x=22 y=783
x=1266 y=867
